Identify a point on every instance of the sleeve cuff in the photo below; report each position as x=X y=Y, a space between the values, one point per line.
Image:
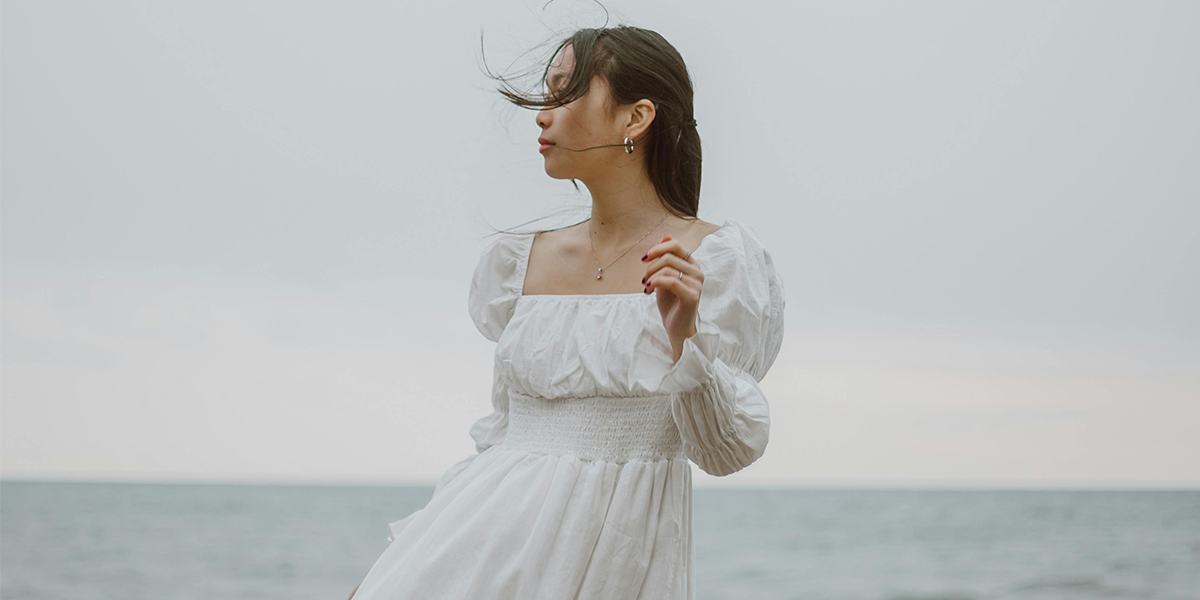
x=489 y=430
x=695 y=365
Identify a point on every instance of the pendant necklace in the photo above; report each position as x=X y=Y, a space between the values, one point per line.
x=599 y=269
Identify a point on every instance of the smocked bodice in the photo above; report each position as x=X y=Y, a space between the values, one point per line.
x=603 y=428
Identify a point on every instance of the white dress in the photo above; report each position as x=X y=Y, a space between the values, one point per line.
x=581 y=486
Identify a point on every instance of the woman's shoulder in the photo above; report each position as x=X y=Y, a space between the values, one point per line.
x=737 y=250
x=742 y=284
x=496 y=282
x=742 y=300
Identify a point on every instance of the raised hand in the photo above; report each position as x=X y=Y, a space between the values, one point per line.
x=678 y=298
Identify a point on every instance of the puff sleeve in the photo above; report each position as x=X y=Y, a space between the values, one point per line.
x=716 y=402
x=496 y=284
x=495 y=287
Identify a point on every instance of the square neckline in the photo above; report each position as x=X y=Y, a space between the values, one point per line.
x=523 y=263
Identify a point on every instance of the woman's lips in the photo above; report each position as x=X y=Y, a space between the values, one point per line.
x=544 y=147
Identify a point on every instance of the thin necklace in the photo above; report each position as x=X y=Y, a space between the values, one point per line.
x=599 y=269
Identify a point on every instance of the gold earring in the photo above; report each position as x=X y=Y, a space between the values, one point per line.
x=628 y=145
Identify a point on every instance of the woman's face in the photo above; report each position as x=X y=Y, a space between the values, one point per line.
x=580 y=124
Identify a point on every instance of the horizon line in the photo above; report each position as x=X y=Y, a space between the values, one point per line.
x=810 y=485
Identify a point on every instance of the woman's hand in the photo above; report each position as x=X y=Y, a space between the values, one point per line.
x=678 y=299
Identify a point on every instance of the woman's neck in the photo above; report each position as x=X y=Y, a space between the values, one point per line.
x=623 y=209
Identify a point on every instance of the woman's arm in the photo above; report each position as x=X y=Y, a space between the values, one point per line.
x=724 y=419
x=720 y=356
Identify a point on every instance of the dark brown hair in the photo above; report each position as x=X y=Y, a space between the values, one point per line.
x=635 y=63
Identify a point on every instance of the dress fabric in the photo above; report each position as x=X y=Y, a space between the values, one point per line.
x=581 y=484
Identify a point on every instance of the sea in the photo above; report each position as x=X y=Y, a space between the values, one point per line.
x=174 y=541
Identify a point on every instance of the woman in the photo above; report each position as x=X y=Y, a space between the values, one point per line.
x=580 y=488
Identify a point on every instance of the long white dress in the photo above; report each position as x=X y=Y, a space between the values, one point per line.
x=581 y=486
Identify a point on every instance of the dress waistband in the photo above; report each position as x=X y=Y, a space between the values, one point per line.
x=604 y=428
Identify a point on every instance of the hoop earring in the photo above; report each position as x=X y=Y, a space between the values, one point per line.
x=628 y=145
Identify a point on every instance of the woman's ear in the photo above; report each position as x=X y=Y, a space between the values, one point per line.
x=641 y=114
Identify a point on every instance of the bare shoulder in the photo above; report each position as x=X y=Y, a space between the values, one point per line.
x=556 y=241
x=707 y=227
x=554 y=258
x=692 y=231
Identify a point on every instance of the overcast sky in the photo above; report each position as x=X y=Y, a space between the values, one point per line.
x=237 y=237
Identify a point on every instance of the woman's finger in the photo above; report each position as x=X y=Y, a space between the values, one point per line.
x=668 y=279
x=675 y=262
x=668 y=245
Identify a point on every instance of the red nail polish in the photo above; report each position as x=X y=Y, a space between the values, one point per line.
x=644 y=256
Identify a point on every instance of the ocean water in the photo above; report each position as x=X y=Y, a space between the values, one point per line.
x=91 y=541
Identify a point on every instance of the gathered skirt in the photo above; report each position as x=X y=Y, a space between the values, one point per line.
x=584 y=499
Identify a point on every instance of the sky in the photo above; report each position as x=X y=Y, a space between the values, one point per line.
x=236 y=238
